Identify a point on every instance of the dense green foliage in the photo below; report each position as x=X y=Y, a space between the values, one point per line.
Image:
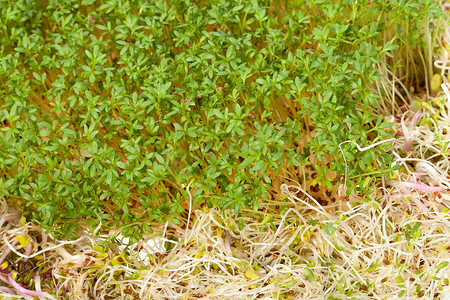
x=109 y=109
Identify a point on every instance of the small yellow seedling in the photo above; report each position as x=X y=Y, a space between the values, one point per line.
x=98 y=248
x=23 y=240
x=23 y=220
x=251 y=274
x=119 y=259
x=101 y=255
x=200 y=254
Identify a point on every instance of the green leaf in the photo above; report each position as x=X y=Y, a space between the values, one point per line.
x=442 y=265
x=309 y=274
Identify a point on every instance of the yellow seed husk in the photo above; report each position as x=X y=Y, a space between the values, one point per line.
x=436 y=82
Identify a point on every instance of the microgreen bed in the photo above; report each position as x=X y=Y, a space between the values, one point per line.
x=270 y=149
